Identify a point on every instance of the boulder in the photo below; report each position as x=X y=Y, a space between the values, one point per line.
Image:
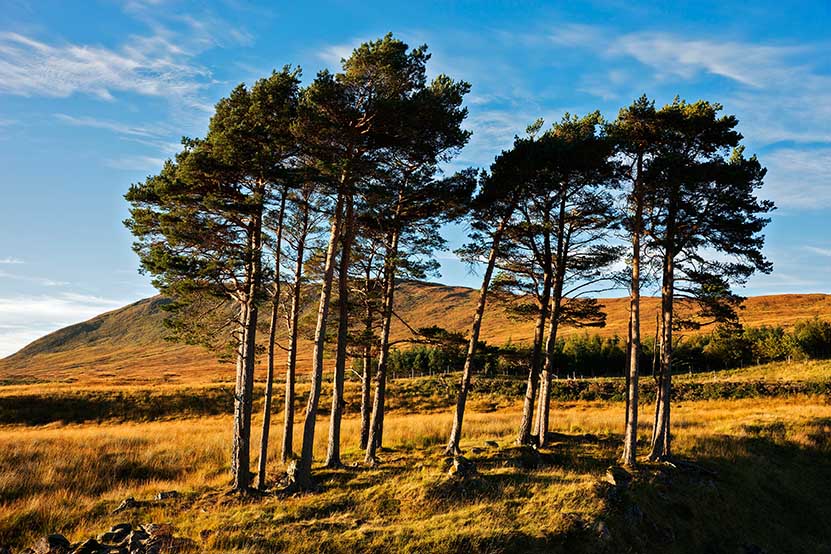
x=462 y=468
x=116 y=534
x=90 y=546
x=126 y=504
x=617 y=476
x=52 y=544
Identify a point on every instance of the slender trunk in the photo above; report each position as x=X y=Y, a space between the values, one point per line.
x=303 y=473
x=272 y=332
x=376 y=426
x=539 y=335
x=656 y=374
x=367 y=362
x=661 y=437
x=630 y=434
x=524 y=435
x=244 y=389
x=333 y=449
x=286 y=451
x=452 y=448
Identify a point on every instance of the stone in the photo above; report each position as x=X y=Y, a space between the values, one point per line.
x=158 y=529
x=617 y=476
x=492 y=444
x=126 y=504
x=462 y=468
x=90 y=546
x=167 y=494
x=52 y=544
x=602 y=531
x=116 y=534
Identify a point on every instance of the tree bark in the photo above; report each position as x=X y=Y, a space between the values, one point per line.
x=303 y=473
x=376 y=429
x=452 y=448
x=661 y=436
x=244 y=389
x=286 y=451
x=336 y=415
x=536 y=354
x=630 y=434
x=524 y=435
x=272 y=331
x=367 y=363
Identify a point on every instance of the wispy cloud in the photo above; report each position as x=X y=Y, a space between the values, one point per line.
x=26 y=318
x=150 y=65
x=136 y=163
x=333 y=54
x=818 y=250
x=114 y=126
x=43 y=281
x=9 y=260
x=799 y=178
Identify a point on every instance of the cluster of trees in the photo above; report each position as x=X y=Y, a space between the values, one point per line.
x=334 y=190
x=729 y=345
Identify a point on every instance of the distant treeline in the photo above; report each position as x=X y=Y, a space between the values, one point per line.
x=726 y=347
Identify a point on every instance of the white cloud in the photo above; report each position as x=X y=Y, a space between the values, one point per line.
x=26 y=318
x=151 y=66
x=818 y=250
x=799 y=178
x=114 y=126
x=136 y=163
x=332 y=55
x=9 y=260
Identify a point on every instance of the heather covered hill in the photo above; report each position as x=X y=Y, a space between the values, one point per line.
x=127 y=344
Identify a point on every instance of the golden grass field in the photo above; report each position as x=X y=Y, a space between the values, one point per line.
x=770 y=457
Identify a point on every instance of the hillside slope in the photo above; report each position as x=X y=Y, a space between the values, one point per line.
x=127 y=345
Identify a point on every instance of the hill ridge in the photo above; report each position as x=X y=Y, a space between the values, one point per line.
x=127 y=344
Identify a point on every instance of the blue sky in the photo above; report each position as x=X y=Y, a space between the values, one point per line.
x=95 y=95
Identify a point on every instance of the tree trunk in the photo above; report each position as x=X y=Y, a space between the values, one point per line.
x=524 y=435
x=630 y=434
x=367 y=363
x=286 y=451
x=536 y=353
x=244 y=389
x=303 y=473
x=452 y=448
x=376 y=429
x=272 y=331
x=660 y=436
x=333 y=449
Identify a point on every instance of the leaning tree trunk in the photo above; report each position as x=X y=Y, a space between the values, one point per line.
x=630 y=434
x=333 y=449
x=660 y=435
x=452 y=448
x=291 y=363
x=272 y=332
x=303 y=473
x=244 y=389
x=373 y=443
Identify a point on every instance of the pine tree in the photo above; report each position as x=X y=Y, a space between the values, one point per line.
x=199 y=223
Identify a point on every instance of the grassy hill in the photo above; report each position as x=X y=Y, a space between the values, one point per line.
x=127 y=345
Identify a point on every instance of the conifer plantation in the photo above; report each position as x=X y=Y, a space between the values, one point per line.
x=373 y=410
